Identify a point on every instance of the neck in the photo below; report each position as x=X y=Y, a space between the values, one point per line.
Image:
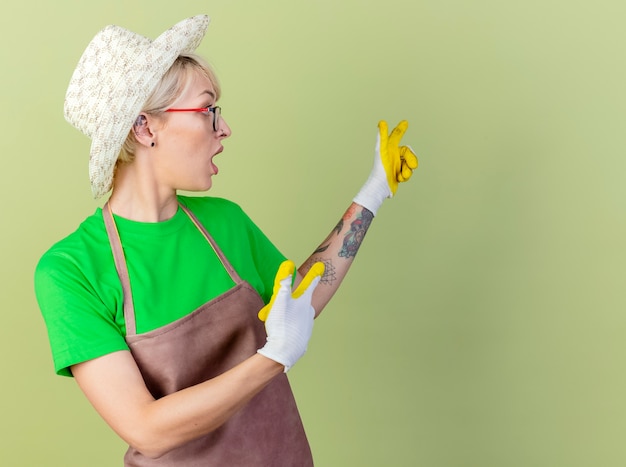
x=138 y=197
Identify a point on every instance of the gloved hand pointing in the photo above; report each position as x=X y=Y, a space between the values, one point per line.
x=392 y=164
x=289 y=315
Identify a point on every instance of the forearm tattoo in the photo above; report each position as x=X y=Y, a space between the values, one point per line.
x=351 y=242
x=354 y=237
x=329 y=275
x=324 y=246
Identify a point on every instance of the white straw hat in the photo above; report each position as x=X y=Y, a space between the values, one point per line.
x=111 y=83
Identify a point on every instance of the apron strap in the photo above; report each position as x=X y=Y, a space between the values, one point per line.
x=231 y=271
x=122 y=270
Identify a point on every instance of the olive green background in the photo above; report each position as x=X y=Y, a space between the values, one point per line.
x=483 y=323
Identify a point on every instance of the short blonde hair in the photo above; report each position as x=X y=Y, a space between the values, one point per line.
x=167 y=91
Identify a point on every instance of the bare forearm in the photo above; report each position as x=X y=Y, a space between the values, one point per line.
x=337 y=252
x=155 y=427
x=200 y=409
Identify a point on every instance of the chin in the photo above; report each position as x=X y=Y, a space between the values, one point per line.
x=201 y=186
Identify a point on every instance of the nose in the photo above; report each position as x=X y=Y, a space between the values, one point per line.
x=223 y=129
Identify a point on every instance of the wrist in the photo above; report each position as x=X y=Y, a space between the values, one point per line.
x=277 y=361
x=371 y=196
x=270 y=365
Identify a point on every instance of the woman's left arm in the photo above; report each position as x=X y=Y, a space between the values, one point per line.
x=392 y=164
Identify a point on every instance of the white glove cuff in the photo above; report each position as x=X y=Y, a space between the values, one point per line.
x=372 y=194
x=269 y=354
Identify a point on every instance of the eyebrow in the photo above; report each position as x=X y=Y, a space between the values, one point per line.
x=210 y=93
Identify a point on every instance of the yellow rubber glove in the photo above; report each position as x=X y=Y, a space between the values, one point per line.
x=286 y=270
x=289 y=315
x=398 y=161
x=393 y=164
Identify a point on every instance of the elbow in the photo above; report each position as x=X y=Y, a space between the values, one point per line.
x=149 y=449
x=150 y=444
x=153 y=455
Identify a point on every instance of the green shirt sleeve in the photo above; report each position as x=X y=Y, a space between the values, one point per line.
x=80 y=326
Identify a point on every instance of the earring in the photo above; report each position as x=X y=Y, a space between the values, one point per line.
x=152 y=144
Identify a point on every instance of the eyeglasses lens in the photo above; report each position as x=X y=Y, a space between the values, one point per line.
x=216 y=118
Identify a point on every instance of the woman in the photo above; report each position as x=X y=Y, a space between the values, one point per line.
x=176 y=315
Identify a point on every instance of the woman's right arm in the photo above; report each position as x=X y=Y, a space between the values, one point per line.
x=116 y=389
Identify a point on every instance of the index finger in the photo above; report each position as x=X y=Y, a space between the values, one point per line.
x=383 y=131
x=317 y=270
x=397 y=133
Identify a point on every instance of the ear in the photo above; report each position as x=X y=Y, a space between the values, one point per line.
x=142 y=129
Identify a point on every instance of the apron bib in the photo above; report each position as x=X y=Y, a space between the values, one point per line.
x=212 y=339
